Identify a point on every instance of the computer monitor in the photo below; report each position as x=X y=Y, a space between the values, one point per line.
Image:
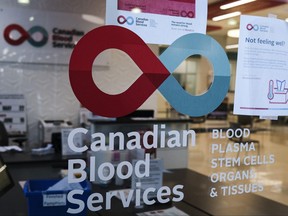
x=138 y=114
x=220 y=113
x=6 y=182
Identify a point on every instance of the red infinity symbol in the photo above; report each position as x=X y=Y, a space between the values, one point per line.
x=24 y=34
x=80 y=71
x=189 y=14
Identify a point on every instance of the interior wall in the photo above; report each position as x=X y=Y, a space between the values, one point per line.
x=46 y=87
x=47 y=93
x=96 y=7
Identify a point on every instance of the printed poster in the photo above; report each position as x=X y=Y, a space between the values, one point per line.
x=161 y=21
x=78 y=142
x=262 y=66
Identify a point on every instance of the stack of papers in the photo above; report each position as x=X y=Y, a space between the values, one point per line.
x=10 y=148
x=43 y=151
x=63 y=185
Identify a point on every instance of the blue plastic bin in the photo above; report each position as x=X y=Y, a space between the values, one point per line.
x=36 y=190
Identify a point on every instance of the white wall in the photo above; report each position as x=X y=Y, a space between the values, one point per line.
x=48 y=92
x=47 y=88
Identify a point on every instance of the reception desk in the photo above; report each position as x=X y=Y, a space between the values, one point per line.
x=197 y=200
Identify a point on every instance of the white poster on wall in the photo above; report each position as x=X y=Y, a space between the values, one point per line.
x=161 y=21
x=37 y=36
x=262 y=66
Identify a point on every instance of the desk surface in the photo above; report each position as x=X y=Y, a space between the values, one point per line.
x=27 y=157
x=196 y=189
x=141 y=121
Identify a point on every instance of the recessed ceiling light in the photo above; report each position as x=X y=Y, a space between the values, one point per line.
x=136 y=10
x=226 y=16
x=235 y=4
x=234 y=33
x=23 y=1
x=232 y=46
x=232 y=22
x=93 y=19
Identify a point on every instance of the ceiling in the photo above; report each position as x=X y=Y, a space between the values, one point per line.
x=219 y=29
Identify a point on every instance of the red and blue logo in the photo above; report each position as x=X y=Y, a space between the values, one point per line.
x=122 y=20
x=25 y=35
x=157 y=72
x=251 y=27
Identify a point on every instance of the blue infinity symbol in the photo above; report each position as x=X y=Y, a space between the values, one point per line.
x=181 y=49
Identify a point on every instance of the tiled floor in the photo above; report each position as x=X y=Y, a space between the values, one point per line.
x=274 y=177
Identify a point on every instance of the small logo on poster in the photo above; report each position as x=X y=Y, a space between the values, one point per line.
x=256 y=27
x=122 y=20
x=250 y=27
x=189 y=14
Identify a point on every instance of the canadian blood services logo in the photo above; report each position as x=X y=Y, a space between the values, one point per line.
x=157 y=72
x=122 y=20
x=250 y=27
x=189 y=14
x=25 y=35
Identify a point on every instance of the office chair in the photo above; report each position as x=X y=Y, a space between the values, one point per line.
x=56 y=142
x=4 y=137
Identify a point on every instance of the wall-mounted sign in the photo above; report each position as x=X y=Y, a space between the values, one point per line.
x=261 y=78
x=161 y=21
x=34 y=36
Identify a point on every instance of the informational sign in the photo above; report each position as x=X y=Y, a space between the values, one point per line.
x=262 y=65
x=37 y=36
x=161 y=21
x=228 y=157
x=155 y=179
x=64 y=136
x=54 y=200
